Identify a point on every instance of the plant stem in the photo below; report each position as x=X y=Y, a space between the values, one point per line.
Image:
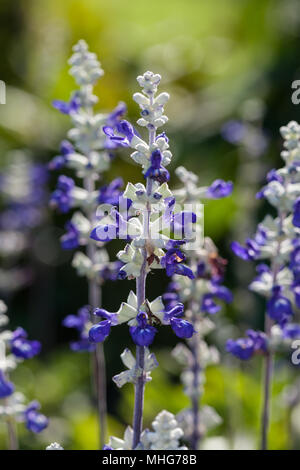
x=141 y=296
x=269 y=358
x=267 y=389
x=196 y=369
x=99 y=366
x=140 y=350
x=266 y=402
x=140 y=361
x=12 y=435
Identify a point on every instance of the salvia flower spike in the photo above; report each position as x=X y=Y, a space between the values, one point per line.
x=150 y=228
x=276 y=246
x=14 y=349
x=88 y=152
x=202 y=297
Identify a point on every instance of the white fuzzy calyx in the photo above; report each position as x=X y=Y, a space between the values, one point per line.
x=54 y=446
x=85 y=67
x=131 y=375
x=166 y=435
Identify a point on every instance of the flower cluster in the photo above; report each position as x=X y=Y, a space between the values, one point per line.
x=14 y=348
x=88 y=152
x=150 y=213
x=82 y=323
x=277 y=241
x=200 y=295
x=141 y=320
x=155 y=230
x=165 y=435
x=22 y=209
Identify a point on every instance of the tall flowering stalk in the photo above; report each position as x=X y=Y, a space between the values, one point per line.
x=150 y=226
x=277 y=241
x=199 y=296
x=90 y=155
x=23 y=199
x=14 y=349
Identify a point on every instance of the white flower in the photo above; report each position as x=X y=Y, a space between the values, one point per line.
x=54 y=446
x=3 y=318
x=14 y=406
x=86 y=68
x=133 y=259
x=131 y=375
x=166 y=434
x=128 y=310
x=83 y=265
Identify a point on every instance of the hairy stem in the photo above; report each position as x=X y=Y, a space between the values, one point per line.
x=269 y=359
x=140 y=350
x=196 y=369
x=99 y=366
x=267 y=386
x=140 y=361
x=12 y=435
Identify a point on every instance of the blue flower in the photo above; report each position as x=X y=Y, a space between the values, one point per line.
x=162 y=136
x=66 y=148
x=245 y=348
x=249 y=252
x=124 y=128
x=172 y=261
x=61 y=198
x=101 y=330
x=67 y=107
x=295 y=262
x=70 y=240
x=58 y=162
x=273 y=175
x=279 y=308
x=176 y=311
x=296 y=291
x=6 y=388
x=182 y=328
x=233 y=131
x=143 y=334
x=111 y=271
x=259 y=339
x=35 y=421
x=296 y=215
x=111 y=193
x=171 y=297
x=82 y=345
x=219 y=189
x=209 y=305
x=291 y=331
x=23 y=348
x=181 y=224
x=216 y=290
x=221 y=292
x=157 y=171
x=105 y=233
x=114 y=117
x=80 y=322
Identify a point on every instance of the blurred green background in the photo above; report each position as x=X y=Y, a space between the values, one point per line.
x=220 y=61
